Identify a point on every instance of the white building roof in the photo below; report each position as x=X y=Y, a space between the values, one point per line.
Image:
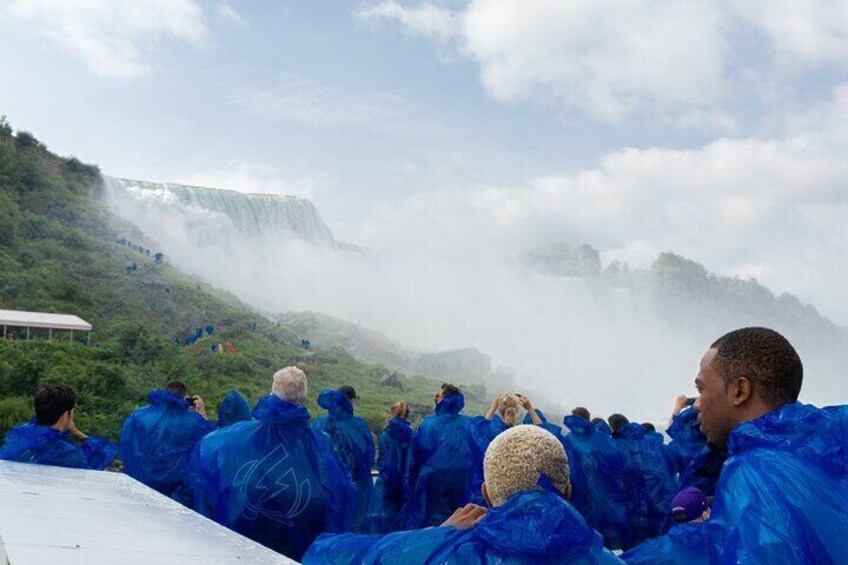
x=57 y=515
x=43 y=320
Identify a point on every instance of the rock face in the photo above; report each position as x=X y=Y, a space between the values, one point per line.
x=250 y=215
x=391 y=380
x=460 y=365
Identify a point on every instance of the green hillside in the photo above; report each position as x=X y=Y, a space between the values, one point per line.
x=61 y=251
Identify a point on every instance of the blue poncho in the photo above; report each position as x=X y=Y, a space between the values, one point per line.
x=553 y=428
x=783 y=493
x=697 y=463
x=43 y=445
x=157 y=441
x=234 y=408
x=684 y=544
x=657 y=487
x=532 y=527
x=393 y=463
x=271 y=479
x=483 y=431
x=353 y=445
x=604 y=498
x=602 y=427
x=442 y=468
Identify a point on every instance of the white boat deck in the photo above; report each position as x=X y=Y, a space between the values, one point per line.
x=52 y=515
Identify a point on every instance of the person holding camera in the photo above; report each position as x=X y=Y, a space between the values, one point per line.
x=157 y=440
x=48 y=438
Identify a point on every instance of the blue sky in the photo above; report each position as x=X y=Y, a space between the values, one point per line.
x=711 y=128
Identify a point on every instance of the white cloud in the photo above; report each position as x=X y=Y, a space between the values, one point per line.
x=801 y=32
x=113 y=37
x=428 y=20
x=690 y=63
x=229 y=13
x=771 y=208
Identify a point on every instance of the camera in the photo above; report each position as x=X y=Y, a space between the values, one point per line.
x=190 y=400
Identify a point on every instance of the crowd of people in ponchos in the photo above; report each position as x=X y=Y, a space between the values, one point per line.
x=750 y=474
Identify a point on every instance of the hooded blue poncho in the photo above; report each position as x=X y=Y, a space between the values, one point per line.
x=783 y=493
x=157 y=441
x=234 y=408
x=442 y=468
x=532 y=527
x=604 y=498
x=271 y=479
x=697 y=464
x=658 y=485
x=353 y=445
x=393 y=464
x=684 y=544
x=43 y=445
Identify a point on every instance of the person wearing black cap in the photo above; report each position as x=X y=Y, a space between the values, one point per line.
x=353 y=445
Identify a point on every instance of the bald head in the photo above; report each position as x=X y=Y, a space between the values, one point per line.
x=518 y=457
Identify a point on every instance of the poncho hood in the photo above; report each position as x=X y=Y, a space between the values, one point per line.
x=32 y=435
x=631 y=431
x=451 y=405
x=400 y=429
x=578 y=425
x=814 y=434
x=234 y=408
x=166 y=399
x=271 y=408
x=336 y=404
x=538 y=523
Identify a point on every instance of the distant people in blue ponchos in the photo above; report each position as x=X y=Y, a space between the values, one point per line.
x=783 y=492
x=234 y=408
x=352 y=444
x=47 y=439
x=442 y=469
x=273 y=479
x=657 y=485
x=687 y=542
x=529 y=520
x=157 y=440
x=603 y=499
x=393 y=459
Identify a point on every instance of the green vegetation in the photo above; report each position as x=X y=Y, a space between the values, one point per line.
x=59 y=252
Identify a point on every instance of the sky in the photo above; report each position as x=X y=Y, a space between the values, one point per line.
x=717 y=129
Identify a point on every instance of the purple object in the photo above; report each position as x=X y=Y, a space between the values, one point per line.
x=689 y=504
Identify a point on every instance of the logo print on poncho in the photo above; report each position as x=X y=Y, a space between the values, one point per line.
x=263 y=481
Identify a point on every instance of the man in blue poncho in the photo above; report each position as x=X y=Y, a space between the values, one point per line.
x=604 y=499
x=529 y=521
x=157 y=440
x=352 y=444
x=46 y=441
x=783 y=492
x=687 y=542
x=441 y=473
x=234 y=408
x=272 y=479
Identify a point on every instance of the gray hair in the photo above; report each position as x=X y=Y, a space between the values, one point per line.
x=290 y=385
